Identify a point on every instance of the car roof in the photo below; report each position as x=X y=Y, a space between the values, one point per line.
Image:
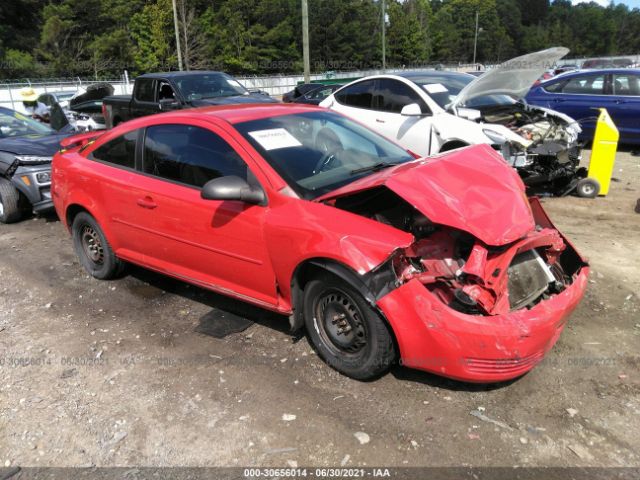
x=183 y=73
x=431 y=73
x=239 y=113
x=590 y=71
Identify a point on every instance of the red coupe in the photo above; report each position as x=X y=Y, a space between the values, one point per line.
x=440 y=263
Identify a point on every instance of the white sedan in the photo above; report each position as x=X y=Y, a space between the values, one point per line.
x=428 y=112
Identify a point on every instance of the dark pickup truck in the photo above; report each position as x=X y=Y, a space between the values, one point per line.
x=161 y=92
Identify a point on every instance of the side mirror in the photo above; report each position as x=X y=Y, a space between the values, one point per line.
x=168 y=104
x=412 y=110
x=232 y=188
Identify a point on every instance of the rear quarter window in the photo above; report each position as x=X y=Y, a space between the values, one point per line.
x=120 y=151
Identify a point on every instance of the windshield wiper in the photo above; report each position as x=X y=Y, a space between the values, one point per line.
x=374 y=168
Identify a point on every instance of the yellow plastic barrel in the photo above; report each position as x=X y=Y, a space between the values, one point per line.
x=603 y=156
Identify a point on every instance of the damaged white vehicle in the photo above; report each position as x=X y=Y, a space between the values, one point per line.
x=429 y=112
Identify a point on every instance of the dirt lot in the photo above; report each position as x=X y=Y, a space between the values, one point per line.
x=113 y=373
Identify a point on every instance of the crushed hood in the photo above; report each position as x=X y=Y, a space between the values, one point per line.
x=514 y=77
x=470 y=189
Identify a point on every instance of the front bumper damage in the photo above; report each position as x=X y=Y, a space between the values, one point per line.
x=494 y=340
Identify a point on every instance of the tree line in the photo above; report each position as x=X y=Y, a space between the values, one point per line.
x=101 y=38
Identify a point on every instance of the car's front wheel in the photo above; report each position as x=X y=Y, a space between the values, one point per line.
x=346 y=331
x=10 y=209
x=93 y=249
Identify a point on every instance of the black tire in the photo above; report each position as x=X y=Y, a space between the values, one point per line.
x=348 y=334
x=588 y=188
x=11 y=209
x=93 y=249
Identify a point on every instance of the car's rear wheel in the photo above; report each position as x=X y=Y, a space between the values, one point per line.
x=10 y=209
x=93 y=249
x=346 y=331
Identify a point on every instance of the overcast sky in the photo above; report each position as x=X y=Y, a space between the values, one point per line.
x=604 y=3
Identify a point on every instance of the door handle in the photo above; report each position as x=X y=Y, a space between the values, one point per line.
x=558 y=100
x=618 y=102
x=379 y=120
x=147 y=202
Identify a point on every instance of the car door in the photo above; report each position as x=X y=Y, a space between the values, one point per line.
x=218 y=244
x=113 y=184
x=412 y=132
x=355 y=102
x=625 y=110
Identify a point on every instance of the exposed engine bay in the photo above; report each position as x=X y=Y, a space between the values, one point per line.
x=546 y=153
x=463 y=272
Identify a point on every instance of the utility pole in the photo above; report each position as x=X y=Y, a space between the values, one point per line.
x=305 y=41
x=384 y=43
x=475 y=41
x=175 y=24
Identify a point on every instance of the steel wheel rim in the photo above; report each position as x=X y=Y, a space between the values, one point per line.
x=92 y=245
x=340 y=323
x=588 y=189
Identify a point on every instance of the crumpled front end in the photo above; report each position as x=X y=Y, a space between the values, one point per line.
x=542 y=145
x=473 y=312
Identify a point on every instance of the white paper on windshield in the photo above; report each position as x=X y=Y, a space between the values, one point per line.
x=435 y=88
x=275 y=138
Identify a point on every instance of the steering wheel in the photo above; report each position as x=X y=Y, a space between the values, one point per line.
x=326 y=160
x=328 y=142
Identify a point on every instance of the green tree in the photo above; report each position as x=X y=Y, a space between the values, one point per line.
x=408 y=34
x=153 y=33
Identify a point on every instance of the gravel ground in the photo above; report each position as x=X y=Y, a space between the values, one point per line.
x=113 y=373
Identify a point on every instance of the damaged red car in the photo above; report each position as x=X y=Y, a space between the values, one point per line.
x=442 y=264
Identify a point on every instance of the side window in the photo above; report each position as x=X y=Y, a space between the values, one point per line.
x=586 y=85
x=626 y=84
x=190 y=155
x=392 y=95
x=358 y=95
x=555 y=87
x=144 y=90
x=119 y=151
x=165 y=92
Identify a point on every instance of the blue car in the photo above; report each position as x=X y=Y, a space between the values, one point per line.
x=578 y=93
x=26 y=150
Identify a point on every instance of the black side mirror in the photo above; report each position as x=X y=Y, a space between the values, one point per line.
x=168 y=104
x=233 y=188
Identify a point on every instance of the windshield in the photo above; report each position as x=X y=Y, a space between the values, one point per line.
x=443 y=88
x=213 y=85
x=318 y=152
x=14 y=124
x=61 y=97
